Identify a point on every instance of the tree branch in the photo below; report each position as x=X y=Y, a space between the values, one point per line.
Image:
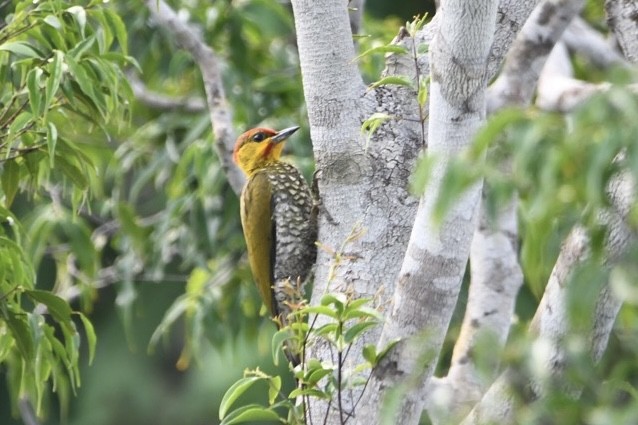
x=621 y=17
x=511 y=16
x=557 y=90
x=496 y=279
x=551 y=321
x=495 y=272
x=220 y=113
x=161 y=101
x=528 y=54
x=430 y=277
x=580 y=37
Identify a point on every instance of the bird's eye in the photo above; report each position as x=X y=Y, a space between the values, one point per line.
x=259 y=137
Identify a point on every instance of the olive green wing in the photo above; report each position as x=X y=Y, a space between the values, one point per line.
x=256 y=220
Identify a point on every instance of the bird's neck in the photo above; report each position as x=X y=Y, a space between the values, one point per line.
x=273 y=162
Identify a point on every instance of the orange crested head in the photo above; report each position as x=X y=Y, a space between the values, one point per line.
x=259 y=146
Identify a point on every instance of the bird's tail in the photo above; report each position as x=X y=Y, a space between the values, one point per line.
x=290 y=297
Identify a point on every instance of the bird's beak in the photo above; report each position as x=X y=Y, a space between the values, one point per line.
x=283 y=134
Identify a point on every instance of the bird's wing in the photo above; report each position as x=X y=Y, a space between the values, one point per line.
x=256 y=219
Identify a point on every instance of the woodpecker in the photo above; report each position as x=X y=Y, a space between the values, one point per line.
x=278 y=216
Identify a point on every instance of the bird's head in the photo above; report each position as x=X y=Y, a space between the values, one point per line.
x=259 y=146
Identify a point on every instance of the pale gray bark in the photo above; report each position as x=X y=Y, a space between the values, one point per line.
x=495 y=273
x=436 y=256
x=363 y=186
x=371 y=262
x=551 y=322
x=622 y=17
x=333 y=91
x=543 y=29
x=557 y=89
x=356 y=15
x=496 y=278
x=580 y=37
x=511 y=16
x=207 y=61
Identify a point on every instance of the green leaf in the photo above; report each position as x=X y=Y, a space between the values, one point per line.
x=21 y=48
x=119 y=28
x=329 y=328
x=20 y=123
x=91 y=337
x=79 y=14
x=416 y=24
x=388 y=48
x=57 y=346
x=422 y=48
x=310 y=392
x=139 y=235
x=316 y=375
x=81 y=48
x=19 y=269
x=10 y=180
x=196 y=282
x=422 y=174
x=72 y=172
x=59 y=308
x=87 y=83
x=21 y=332
x=176 y=310
x=422 y=96
x=33 y=86
x=250 y=413
x=389 y=346
x=356 y=330
x=274 y=389
x=55 y=76
x=397 y=80
x=391 y=403
x=372 y=124
x=320 y=310
x=370 y=354
x=52 y=140
x=234 y=392
x=53 y=21
x=335 y=299
x=278 y=340
x=362 y=312
x=355 y=304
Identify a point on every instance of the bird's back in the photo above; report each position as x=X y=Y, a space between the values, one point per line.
x=289 y=242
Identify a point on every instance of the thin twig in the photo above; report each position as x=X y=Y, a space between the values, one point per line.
x=204 y=56
x=21 y=152
x=161 y=101
x=15 y=114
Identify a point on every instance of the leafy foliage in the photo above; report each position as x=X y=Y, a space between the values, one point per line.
x=60 y=76
x=560 y=167
x=338 y=321
x=103 y=196
x=94 y=195
x=419 y=84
